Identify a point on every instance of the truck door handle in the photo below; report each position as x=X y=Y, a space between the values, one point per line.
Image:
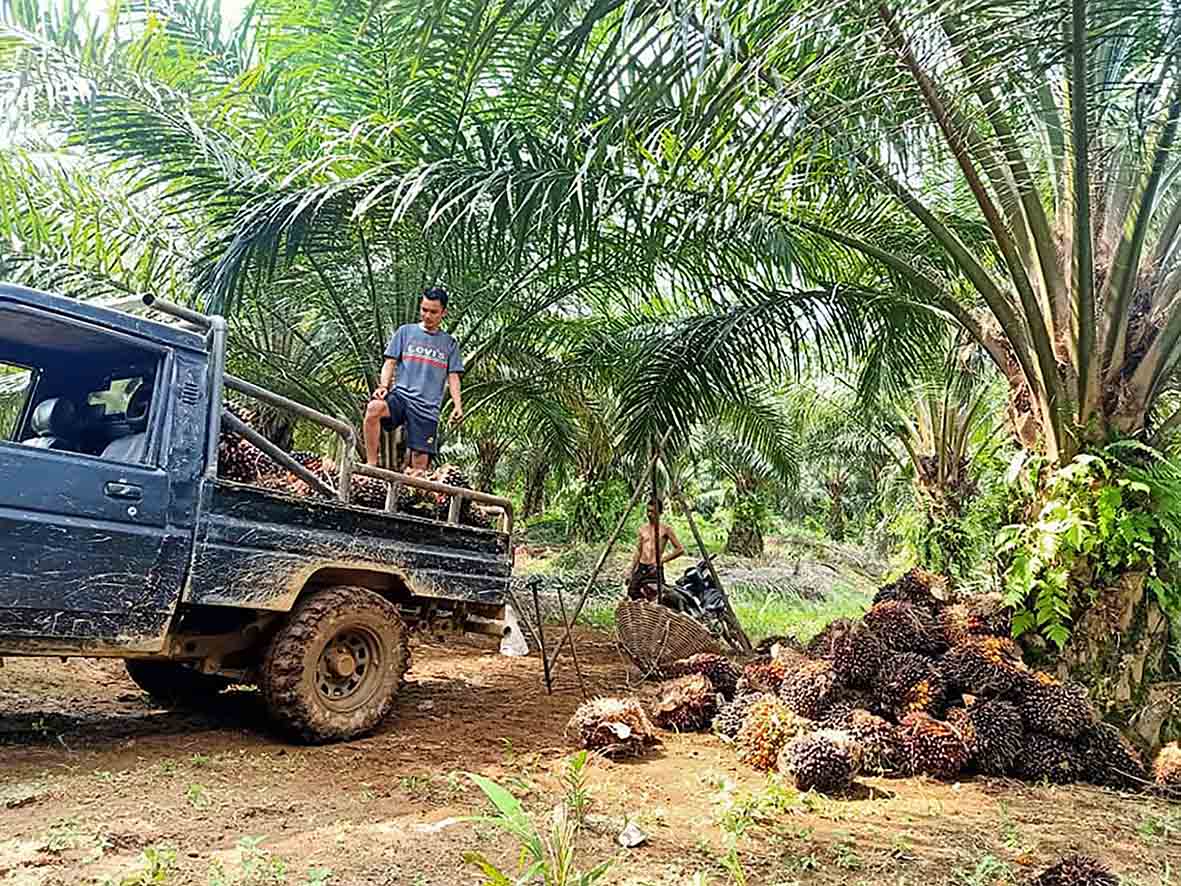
x=124 y=490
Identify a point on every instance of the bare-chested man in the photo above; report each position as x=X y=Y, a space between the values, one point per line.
x=642 y=577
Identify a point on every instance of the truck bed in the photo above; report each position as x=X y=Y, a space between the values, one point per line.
x=258 y=548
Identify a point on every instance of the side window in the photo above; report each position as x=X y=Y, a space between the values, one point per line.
x=16 y=386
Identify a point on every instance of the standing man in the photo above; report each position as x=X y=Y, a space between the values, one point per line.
x=650 y=555
x=420 y=360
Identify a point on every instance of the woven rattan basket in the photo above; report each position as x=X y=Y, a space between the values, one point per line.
x=653 y=636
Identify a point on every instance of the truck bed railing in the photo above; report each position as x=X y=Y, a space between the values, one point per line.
x=347 y=465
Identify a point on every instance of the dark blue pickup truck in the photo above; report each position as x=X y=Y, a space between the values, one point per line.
x=117 y=537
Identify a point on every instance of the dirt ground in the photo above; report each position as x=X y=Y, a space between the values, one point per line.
x=92 y=775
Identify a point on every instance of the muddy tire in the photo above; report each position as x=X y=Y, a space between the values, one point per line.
x=334 y=668
x=173 y=684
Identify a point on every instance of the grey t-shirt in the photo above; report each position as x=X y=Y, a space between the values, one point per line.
x=425 y=360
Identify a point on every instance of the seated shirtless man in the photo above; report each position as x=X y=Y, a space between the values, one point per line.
x=642 y=577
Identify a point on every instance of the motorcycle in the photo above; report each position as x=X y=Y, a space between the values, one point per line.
x=696 y=595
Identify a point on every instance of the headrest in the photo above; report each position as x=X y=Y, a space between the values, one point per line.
x=141 y=400
x=54 y=417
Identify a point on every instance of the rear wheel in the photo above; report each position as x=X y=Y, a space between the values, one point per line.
x=333 y=670
x=172 y=683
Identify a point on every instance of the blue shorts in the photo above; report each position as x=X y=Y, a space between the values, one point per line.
x=421 y=427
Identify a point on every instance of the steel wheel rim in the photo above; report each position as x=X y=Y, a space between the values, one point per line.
x=348 y=673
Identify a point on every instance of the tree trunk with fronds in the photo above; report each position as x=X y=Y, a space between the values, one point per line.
x=835 y=522
x=488 y=453
x=534 y=498
x=745 y=538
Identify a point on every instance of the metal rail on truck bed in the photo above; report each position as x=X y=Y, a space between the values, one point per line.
x=215 y=329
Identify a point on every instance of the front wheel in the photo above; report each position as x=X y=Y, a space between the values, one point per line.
x=333 y=670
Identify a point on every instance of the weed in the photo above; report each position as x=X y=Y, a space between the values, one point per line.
x=259 y=867
x=168 y=767
x=548 y=856
x=156 y=869
x=1009 y=830
x=319 y=877
x=65 y=833
x=846 y=858
x=1156 y=829
x=988 y=871
x=200 y=761
x=105 y=776
x=733 y=865
x=575 y=786
x=198 y=796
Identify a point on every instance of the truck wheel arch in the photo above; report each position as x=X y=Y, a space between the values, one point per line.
x=394 y=585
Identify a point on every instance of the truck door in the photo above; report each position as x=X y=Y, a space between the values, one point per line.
x=87 y=558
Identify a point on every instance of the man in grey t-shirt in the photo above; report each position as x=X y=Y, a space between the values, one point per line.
x=423 y=359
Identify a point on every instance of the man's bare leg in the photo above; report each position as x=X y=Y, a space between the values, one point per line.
x=374 y=413
x=419 y=461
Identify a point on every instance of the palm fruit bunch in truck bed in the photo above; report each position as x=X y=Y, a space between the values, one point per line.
x=614 y=727
x=686 y=704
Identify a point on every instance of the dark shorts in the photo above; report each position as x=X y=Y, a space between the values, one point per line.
x=642 y=585
x=421 y=429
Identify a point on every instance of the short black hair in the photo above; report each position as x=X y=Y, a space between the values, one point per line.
x=659 y=505
x=436 y=293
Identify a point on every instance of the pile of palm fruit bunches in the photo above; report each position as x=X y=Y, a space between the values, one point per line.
x=922 y=685
x=241 y=461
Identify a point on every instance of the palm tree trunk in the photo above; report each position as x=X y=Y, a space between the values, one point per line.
x=745 y=538
x=534 y=499
x=488 y=452
x=836 y=507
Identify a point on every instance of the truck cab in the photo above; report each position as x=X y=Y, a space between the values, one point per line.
x=118 y=537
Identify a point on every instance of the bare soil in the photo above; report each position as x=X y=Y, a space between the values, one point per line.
x=92 y=774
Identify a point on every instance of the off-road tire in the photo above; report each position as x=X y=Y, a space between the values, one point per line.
x=173 y=684
x=289 y=674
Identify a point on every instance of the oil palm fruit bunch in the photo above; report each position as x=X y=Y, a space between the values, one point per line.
x=981 y=615
x=451 y=475
x=478 y=517
x=1110 y=759
x=234 y=461
x=615 y=727
x=811 y=689
x=763 y=676
x=1048 y=758
x=881 y=748
x=905 y=627
x=910 y=683
x=766 y=646
x=1166 y=769
x=821 y=646
x=768 y=726
x=731 y=715
x=1052 y=707
x=826 y=760
x=993 y=732
x=718 y=669
x=918 y=586
x=1076 y=870
x=983 y=665
x=851 y=700
x=686 y=704
x=369 y=492
x=932 y=746
x=858 y=656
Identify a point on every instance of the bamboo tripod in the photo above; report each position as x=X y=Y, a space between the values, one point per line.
x=649 y=474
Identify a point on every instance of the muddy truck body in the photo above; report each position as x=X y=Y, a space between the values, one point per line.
x=118 y=538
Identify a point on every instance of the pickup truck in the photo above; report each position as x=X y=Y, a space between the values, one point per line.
x=119 y=539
